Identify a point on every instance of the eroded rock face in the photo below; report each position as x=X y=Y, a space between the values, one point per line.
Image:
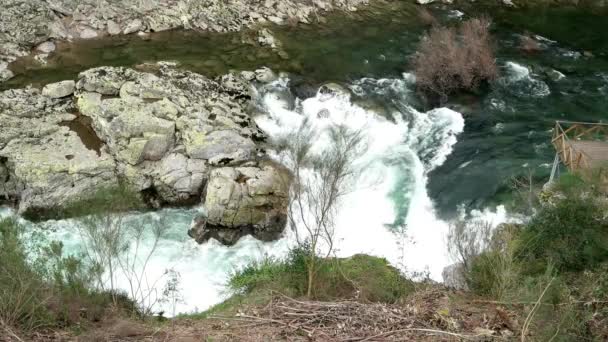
x=45 y=164
x=250 y=199
x=171 y=133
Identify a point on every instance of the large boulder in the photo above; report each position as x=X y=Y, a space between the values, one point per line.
x=251 y=199
x=45 y=165
x=165 y=129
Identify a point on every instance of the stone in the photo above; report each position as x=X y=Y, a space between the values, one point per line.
x=46 y=47
x=59 y=89
x=265 y=75
x=173 y=133
x=113 y=28
x=219 y=147
x=134 y=26
x=42 y=58
x=88 y=33
x=5 y=72
x=248 y=200
x=48 y=165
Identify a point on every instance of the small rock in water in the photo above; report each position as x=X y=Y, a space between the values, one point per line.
x=88 y=33
x=46 y=47
x=323 y=113
x=5 y=73
x=41 y=58
x=59 y=89
x=555 y=75
x=265 y=75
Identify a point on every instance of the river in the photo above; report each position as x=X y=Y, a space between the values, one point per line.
x=422 y=167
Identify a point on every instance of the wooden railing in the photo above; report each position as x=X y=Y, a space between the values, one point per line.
x=565 y=136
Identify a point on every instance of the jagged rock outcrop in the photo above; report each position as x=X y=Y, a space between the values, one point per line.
x=250 y=199
x=165 y=133
x=45 y=163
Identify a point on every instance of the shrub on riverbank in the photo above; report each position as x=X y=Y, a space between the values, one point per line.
x=41 y=289
x=554 y=265
x=360 y=277
x=450 y=59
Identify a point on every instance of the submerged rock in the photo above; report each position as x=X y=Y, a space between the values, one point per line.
x=5 y=73
x=163 y=133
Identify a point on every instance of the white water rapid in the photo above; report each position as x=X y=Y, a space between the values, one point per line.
x=403 y=146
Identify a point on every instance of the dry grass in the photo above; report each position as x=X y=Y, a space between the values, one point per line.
x=432 y=314
x=426 y=316
x=426 y=17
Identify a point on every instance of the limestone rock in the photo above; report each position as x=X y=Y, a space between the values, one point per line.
x=59 y=89
x=172 y=133
x=88 y=33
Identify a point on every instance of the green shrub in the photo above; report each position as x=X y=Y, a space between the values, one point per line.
x=22 y=290
x=40 y=287
x=364 y=277
x=572 y=235
x=287 y=276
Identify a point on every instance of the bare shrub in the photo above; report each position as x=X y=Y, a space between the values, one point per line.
x=426 y=17
x=467 y=239
x=320 y=181
x=487 y=256
x=120 y=247
x=450 y=59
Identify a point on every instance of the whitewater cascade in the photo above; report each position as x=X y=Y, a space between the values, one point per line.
x=403 y=146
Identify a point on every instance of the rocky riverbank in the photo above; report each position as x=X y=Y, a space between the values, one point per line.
x=169 y=133
x=28 y=26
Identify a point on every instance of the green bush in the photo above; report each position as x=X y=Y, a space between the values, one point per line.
x=572 y=235
x=287 y=276
x=22 y=290
x=40 y=287
x=364 y=277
